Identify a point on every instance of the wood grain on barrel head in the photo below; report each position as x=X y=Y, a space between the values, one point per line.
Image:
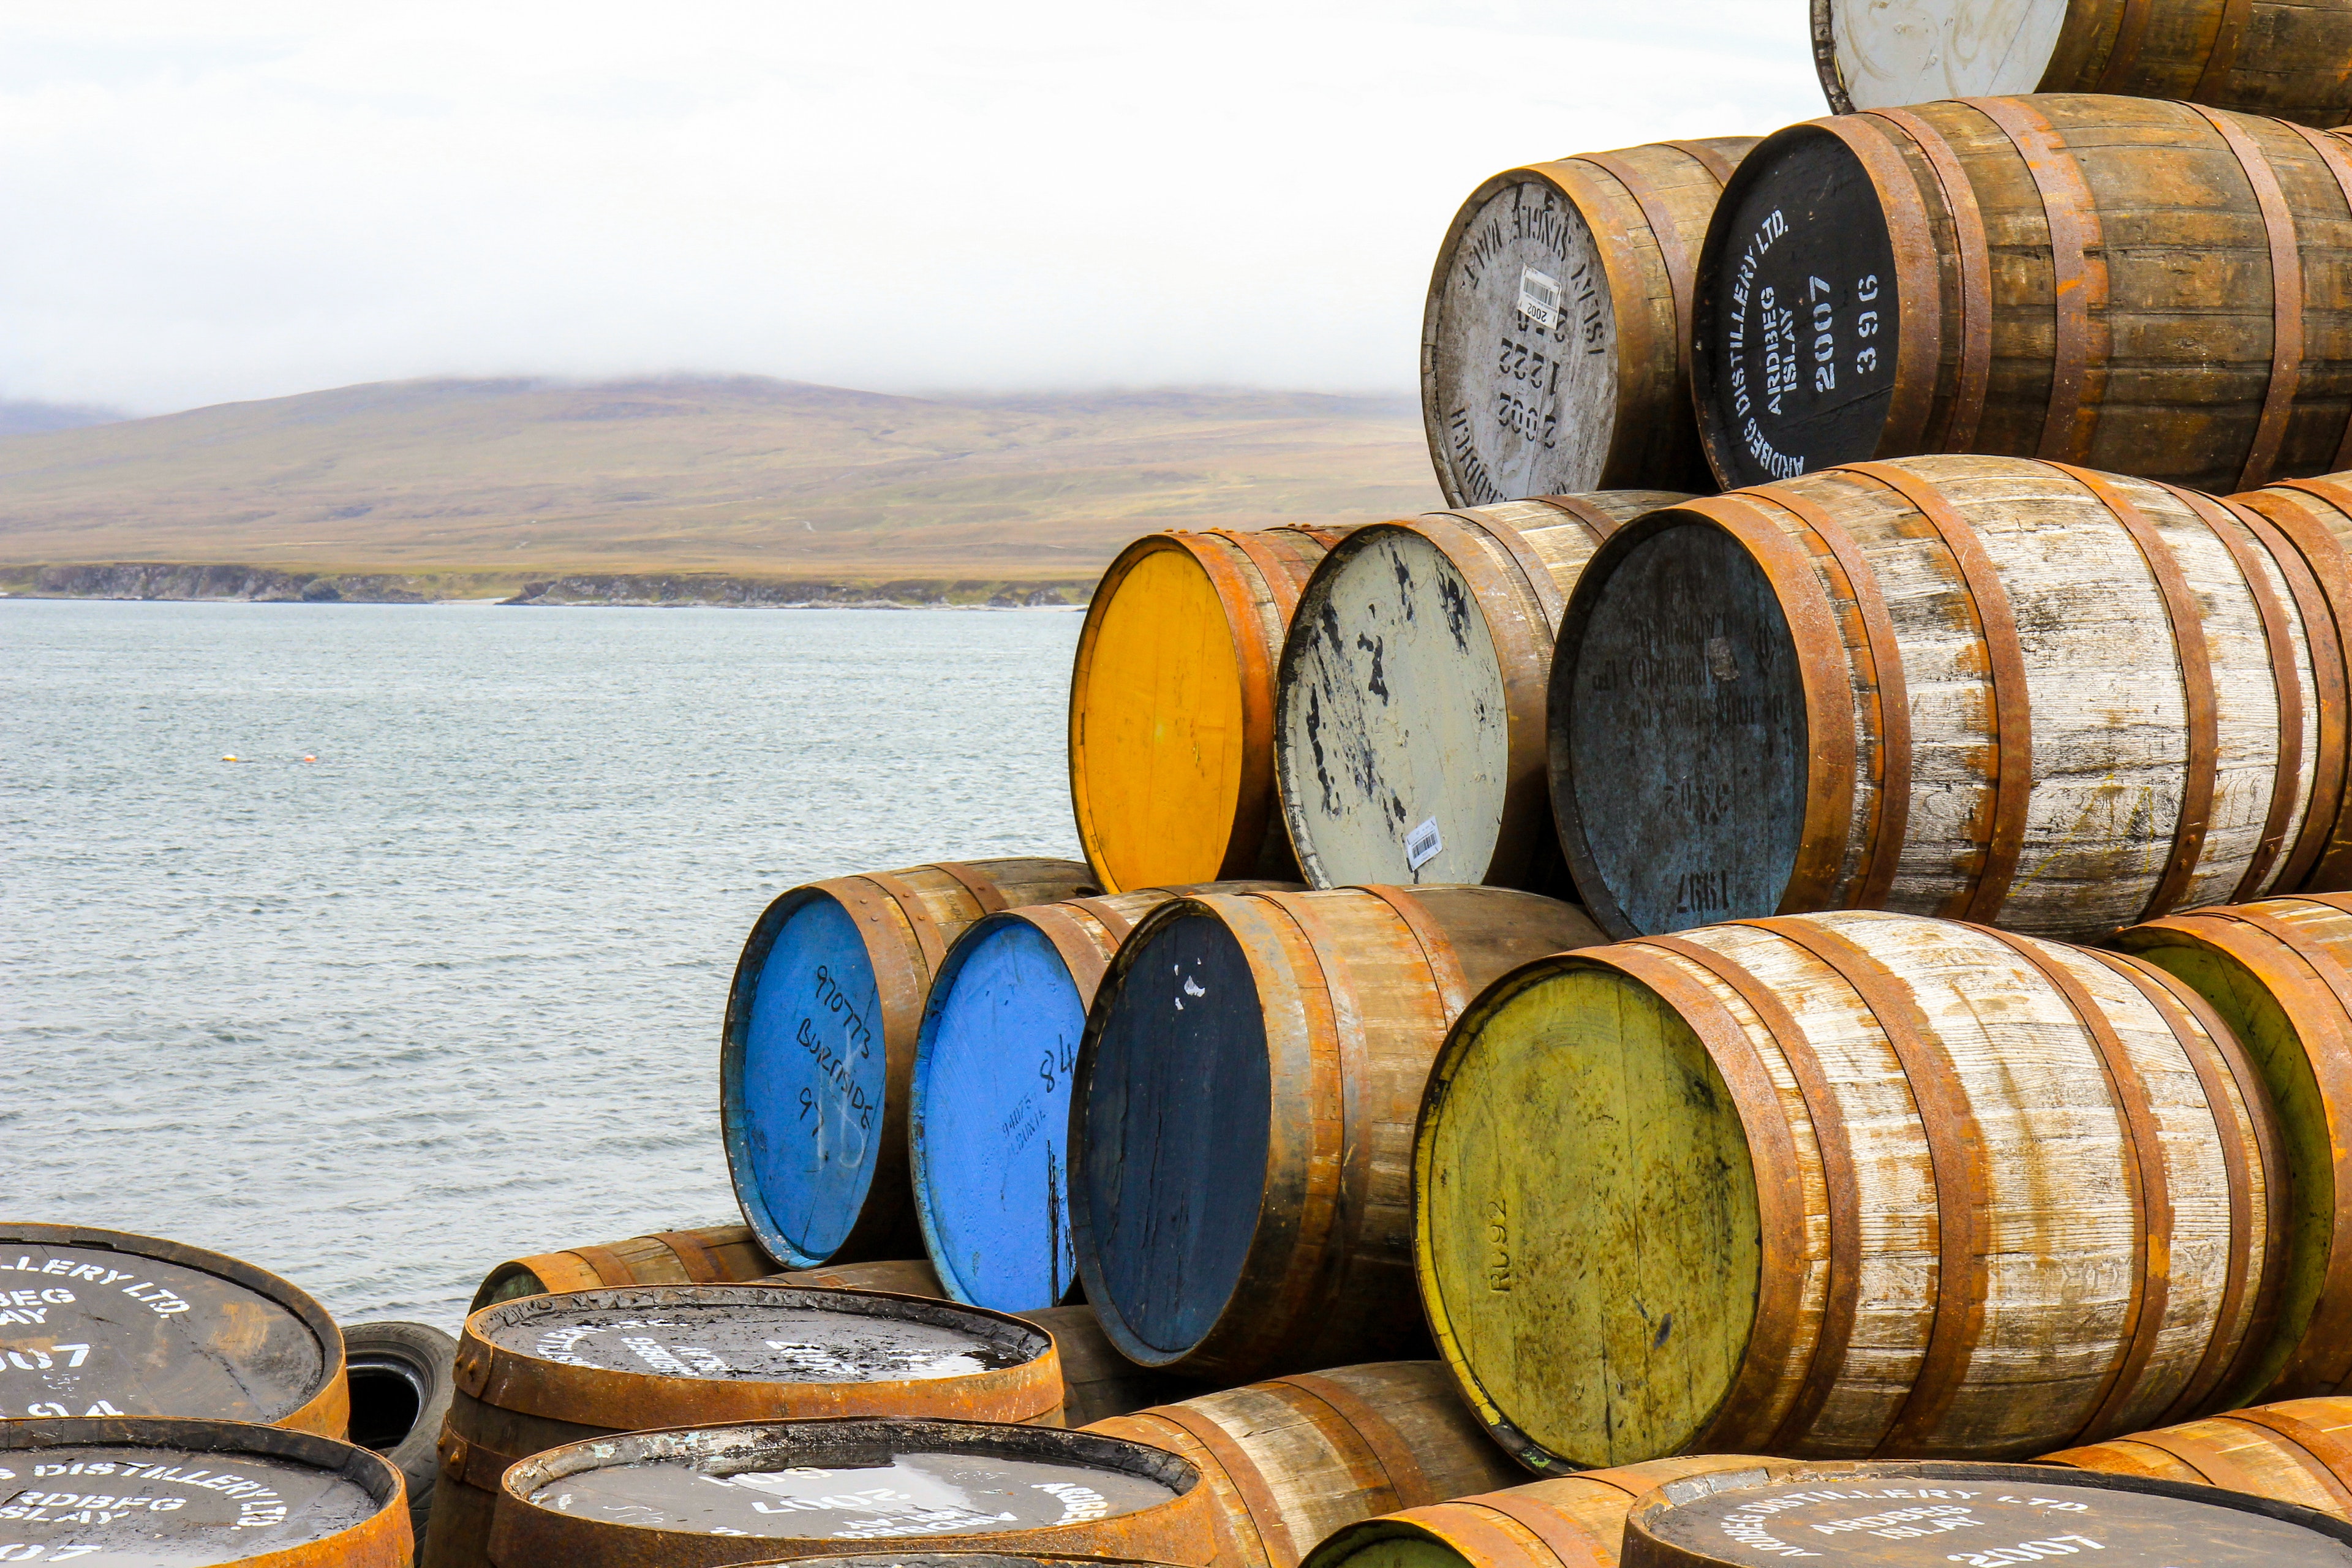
x=1552 y=356
x=1873 y=1117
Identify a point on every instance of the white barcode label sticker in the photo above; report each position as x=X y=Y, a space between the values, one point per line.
x=1423 y=845
x=1538 y=302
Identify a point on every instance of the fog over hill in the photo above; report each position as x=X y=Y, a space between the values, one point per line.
x=740 y=475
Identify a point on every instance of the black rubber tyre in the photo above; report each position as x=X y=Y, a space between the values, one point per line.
x=401 y=1374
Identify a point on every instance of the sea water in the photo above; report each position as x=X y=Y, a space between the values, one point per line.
x=432 y=976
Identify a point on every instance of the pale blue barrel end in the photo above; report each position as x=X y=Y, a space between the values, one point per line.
x=802 y=1077
x=989 y=1119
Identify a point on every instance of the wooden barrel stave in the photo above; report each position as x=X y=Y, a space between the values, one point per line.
x=2313 y=519
x=2295 y=1451
x=1293 y=1459
x=1899 y=1138
x=706 y=1255
x=2000 y=727
x=815 y=1128
x=897 y=1277
x=2068 y=348
x=1390 y=720
x=1267 y=1227
x=1172 y=707
x=2266 y=56
x=1597 y=396
x=989 y=1103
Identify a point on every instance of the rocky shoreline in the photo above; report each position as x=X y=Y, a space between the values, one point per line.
x=268 y=585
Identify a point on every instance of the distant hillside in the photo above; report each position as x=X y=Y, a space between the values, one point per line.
x=528 y=480
x=18 y=418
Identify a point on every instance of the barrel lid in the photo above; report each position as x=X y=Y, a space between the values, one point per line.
x=1894 y=1515
x=153 y=1492
x=102 y=1323
x=850 y=1480
x=663 y=1354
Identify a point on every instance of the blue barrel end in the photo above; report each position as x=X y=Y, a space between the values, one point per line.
x=991 y=1116
x=802 y=1077
x=1176 y=1103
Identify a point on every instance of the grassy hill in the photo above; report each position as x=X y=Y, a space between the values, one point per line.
x=507 y=481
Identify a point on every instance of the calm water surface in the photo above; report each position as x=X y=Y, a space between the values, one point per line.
x=451 y=992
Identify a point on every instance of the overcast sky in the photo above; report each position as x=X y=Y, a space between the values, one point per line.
x=208 y=202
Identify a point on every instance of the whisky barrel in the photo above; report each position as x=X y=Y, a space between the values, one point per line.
x=1097 y=1380
x=1243 y=1112
x=1929 y=1512
x=2279 y=972
x=2011 y=275
x=1555 y=350
x=1172 y=706
x=163 y=1491
x=1408 y=710
x=989 y=1109
x=2263 y=56
x=1571 y=1521
x=1293 y=1459
x=550 y=1370
x=2313 y=517
x=704 y=1254
x=2298 y=1451
x=2049 y=699
x=820 y=1041
x=778 y=1491
x=1901 y=1186
x=104 y=1323
x=952 y=1559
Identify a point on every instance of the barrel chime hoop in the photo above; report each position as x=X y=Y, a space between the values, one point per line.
x=1580 y=186
x=2230 y=526
x=2149 y=1191
x=1279 y=583
x=2012 y=717
x=984 y=892
x=1975 y=267
x=610 y=1266
x=1081 y=955
x=1567 y=1541
x=1265 y=1515
x=2115 y=71
x=1597 y=522
x=2332 y=157
x=1840 y=1184
x=700 y=1265
x=1832 y=749
x=2080 y=285
x=560 y=1271
x=1707 y=158
x=2286 y=294
x=1672 y=252
x=1114 y=925
x=1955 y=1157
x=2213 y=80
x=930 y=941
x=2213 y=1467
x=2326 y=650
x=1247 y=628
x=1538 y=582
x=2200 y=1031
x=1891 y=811
x=1779 y=1197
x=2329 y=622
x=1403 y=1476
x=1918 y=273
x=2195 y=659
x=1444 y=964
x=2327 y=1459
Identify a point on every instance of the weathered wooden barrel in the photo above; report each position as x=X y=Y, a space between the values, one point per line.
x=1571 y=1521
x=1902 y=1187
x=705 y=1255
x=1172 y=706
x=159 y=1491
x=2279 y=972
x=550 y=1370
x=2049 y=699
x=1292 y=1459
x=2263 y=56
x=1243 y=1109
x=820 y=1042
x=1097 y=1380
x=777 y=1491
x=103 y=1324
x=949 y=1559
x=1555 y=350
x=1934 y=1512
x=2007 y=275
x=989 y=1109
x=2315 y=519
x=1408 y=710
x=2298 y=1451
